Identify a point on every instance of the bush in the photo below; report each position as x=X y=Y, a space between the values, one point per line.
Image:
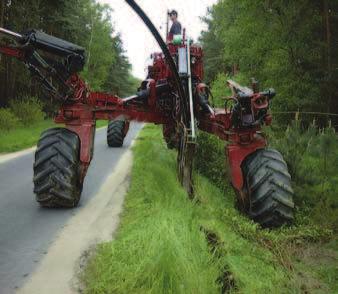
x=27 y=110
x=312 y=157
x=220 y=90
x=8 y=120
x=210 y=159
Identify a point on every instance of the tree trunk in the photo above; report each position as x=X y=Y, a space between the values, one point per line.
x=2 y=75
x=327 y=59
x=2 y=12
x=327 y=30
x=2 y=16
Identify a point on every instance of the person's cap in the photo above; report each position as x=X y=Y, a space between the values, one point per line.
x=173 y=12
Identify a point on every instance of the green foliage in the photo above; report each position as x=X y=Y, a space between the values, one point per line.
x=281 y=43
x=100 y=50
x=158 y=248
x=19 y=137
x=24 y=112
x=131 y=85
x=220 y=90
x=210 y=159
x=83 y=22
x=169 y=244
x=165 y=241
x=8 y=120
x=312 y=157
x=101 y=123
x=213 y=47
x=27 y=110
x=22 y=137
x=120 y=81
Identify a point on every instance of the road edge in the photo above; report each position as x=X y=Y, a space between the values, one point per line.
x=94 y=223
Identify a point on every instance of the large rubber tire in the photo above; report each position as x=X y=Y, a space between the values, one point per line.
x=115 y=133
x=57 y=169
x=268 y=186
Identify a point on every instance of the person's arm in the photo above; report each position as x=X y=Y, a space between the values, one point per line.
x=179 y=29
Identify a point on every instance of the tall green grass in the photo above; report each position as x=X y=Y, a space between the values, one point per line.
x=169 y=244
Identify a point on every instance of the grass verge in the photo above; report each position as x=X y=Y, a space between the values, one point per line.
x=101 y=123
x=25 y=137
x=169 y=244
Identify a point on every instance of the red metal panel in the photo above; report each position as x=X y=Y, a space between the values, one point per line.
x=81 y=108
x=13 y=52
x=236 y=154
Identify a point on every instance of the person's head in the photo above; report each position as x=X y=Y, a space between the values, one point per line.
x=173 y=15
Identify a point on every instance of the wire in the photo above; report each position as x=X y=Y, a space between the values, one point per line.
x=305 y=112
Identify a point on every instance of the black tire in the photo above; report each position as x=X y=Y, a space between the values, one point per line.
x=57 y=169
x=115 y=133
x=268 y=186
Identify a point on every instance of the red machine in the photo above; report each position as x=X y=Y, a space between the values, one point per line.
x=173 y=95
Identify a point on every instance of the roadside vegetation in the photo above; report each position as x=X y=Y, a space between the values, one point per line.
x=167 y=243
x=22 y=123
x=26 y=110
x=288 y=45
x=312 y=157
x=298 y=59
x=23 y=137
x=82 y=22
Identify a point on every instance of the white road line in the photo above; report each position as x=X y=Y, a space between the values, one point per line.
x=13 y=155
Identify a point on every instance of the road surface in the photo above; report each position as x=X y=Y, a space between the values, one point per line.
x=27 y=230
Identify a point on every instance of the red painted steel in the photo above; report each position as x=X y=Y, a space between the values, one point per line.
x=156 y=102
x=13 y=52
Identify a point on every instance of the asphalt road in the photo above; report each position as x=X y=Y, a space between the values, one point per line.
x=27 y=230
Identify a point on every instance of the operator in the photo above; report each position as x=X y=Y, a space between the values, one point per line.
x=176 y=27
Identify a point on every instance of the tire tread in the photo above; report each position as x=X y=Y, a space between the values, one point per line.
x=57 y=169
x=115 y=133
x=268 y=185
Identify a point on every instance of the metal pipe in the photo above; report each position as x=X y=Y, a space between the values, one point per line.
x=167 y=26
x=10 y=33
x=192 y=116
x=127 y=99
